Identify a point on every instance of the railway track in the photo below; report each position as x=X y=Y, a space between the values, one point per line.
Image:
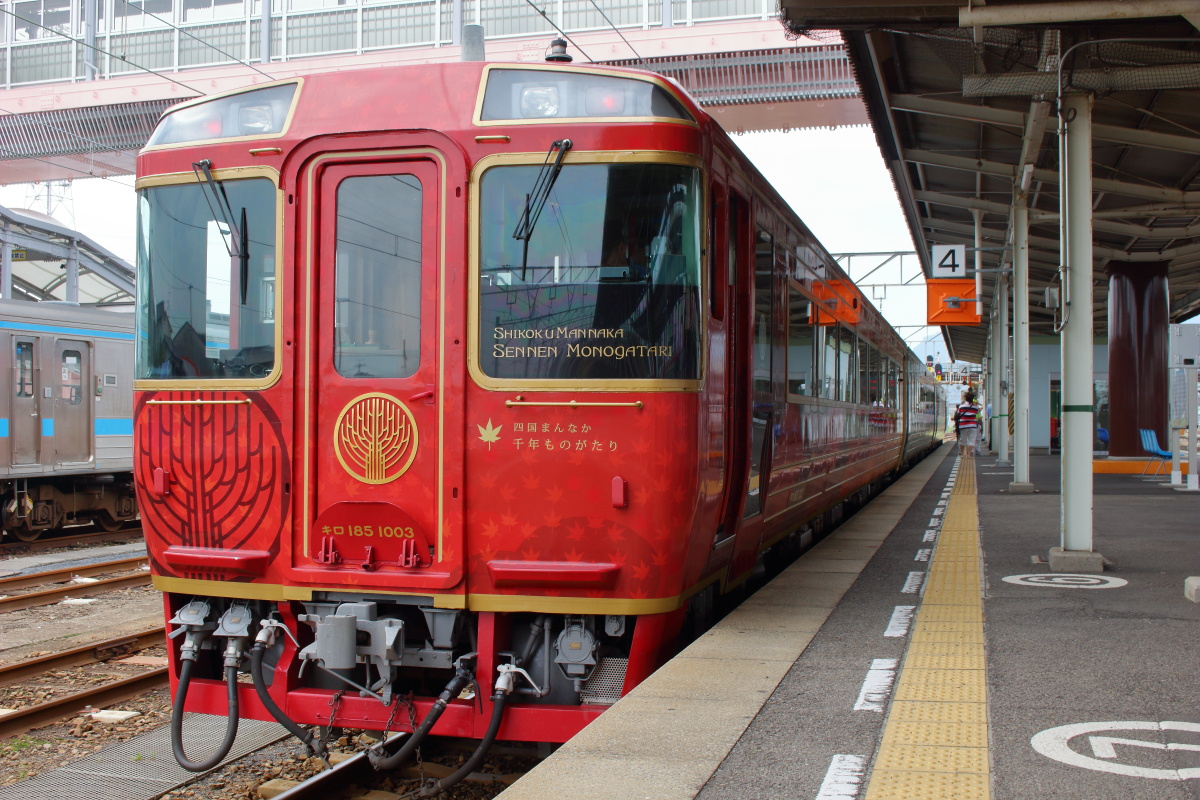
x=354 y=772
x=35 y=716
x=69 y=540
x=58 y=593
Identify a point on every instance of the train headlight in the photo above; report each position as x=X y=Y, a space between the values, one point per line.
x=258 y=112
x=539 y=101
x=255 y=119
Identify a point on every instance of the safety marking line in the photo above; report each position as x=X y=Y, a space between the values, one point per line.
x=877 y=686
x=935 y=736
x=941 y=502
x=934 y=522
x=923 y=554
x=913 y=584
x=930 y=536
x=843 y=778
x=937 y=512
x=900 y=621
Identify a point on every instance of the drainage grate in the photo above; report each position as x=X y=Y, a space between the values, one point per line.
x=603 y=688
x=143 y=767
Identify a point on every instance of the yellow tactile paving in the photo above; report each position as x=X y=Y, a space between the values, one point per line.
x=935 y=739
x=904 y=785
x=963 y=734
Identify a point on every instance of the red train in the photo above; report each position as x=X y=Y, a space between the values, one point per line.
x=491 y=374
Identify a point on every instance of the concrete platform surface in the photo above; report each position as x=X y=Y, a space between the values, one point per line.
x=952 y=666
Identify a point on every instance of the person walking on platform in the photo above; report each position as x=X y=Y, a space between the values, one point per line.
x=966 y=419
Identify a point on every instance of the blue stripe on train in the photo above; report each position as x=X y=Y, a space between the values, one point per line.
x=25 y=326
x=104 y=427
x=114 y=427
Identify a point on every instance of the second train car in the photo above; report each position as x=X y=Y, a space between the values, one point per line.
x=481 y=373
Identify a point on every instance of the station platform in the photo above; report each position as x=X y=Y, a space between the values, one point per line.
x=924 y=650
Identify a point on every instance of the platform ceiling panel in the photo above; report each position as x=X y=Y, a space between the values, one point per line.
x=963 y=111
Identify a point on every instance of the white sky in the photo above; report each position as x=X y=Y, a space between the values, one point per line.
x=834 y=179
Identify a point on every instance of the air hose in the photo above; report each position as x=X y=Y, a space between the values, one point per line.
x=260 y=687
x=499 y=698
x=231 y=722
x=381 y=761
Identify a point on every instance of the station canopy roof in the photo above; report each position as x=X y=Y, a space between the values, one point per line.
x=41 y=249
x=962 y=96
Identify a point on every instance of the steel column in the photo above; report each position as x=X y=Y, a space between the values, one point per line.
x=71 y=292
x=6 y=249
x=999 y=398
x=1077 y=337
x=1020 y=385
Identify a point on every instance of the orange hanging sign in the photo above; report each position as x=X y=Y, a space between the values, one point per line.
x=951 y=301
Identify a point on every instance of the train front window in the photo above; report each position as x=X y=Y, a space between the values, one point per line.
x=606 y=286
x=205 y=310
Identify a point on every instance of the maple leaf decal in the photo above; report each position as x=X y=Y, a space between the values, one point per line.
x=489 y=434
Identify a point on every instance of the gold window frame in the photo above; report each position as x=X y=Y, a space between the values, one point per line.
x=478 y=121
x=226 y=384
x=485 y=381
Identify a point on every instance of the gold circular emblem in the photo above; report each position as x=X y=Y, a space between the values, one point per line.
x=375 y=438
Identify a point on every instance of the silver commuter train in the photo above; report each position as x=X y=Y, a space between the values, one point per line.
x=66 y=419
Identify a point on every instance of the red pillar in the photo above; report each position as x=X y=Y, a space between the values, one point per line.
x=1138 y=326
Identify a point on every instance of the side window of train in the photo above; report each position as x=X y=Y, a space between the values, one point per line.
x=764 y=274
x=830 y=359
x=864 y=372
x=848 y=374
x=877 y=379
x=24 y=387
x=717 y=251
x=377 y=313
x=72 y=377
x=799 y=343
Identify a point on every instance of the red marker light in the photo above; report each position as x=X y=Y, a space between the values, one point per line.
x=603 y=101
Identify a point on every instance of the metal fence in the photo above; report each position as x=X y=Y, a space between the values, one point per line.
x=44 y=41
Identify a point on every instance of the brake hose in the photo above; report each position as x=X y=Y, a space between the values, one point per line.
x=260 y=687
x=381 y=762
x=231 y=722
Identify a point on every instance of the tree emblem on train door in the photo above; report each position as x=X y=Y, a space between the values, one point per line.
x=375 y=438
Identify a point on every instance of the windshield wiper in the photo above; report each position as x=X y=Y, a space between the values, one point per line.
x=238 y=240
x=535 y=201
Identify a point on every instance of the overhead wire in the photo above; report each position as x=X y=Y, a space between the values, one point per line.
x=618 y=32
x=103 y=51
x=561 y=32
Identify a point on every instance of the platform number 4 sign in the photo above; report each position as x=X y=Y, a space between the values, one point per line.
x=949 y=260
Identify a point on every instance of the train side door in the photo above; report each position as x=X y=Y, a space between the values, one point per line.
x=378 y=396
x=25 y=425
x=71 y=423
x=737 y=375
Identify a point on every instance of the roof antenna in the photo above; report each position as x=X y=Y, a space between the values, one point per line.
x=558 y=52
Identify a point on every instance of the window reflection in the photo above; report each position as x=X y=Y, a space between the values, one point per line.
x=378 y=277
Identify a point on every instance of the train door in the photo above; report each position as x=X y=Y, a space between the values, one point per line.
x=25 y=425
x=737 y=373
x=378 y=397
x=762 y=383
x=71 y=424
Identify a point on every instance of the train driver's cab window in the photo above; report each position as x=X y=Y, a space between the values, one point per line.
x=377 y=312
x=799 y=343
x=549 y=95
x=594 y=277
x=24 y=386
x=72 y=378
x=206 y=279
